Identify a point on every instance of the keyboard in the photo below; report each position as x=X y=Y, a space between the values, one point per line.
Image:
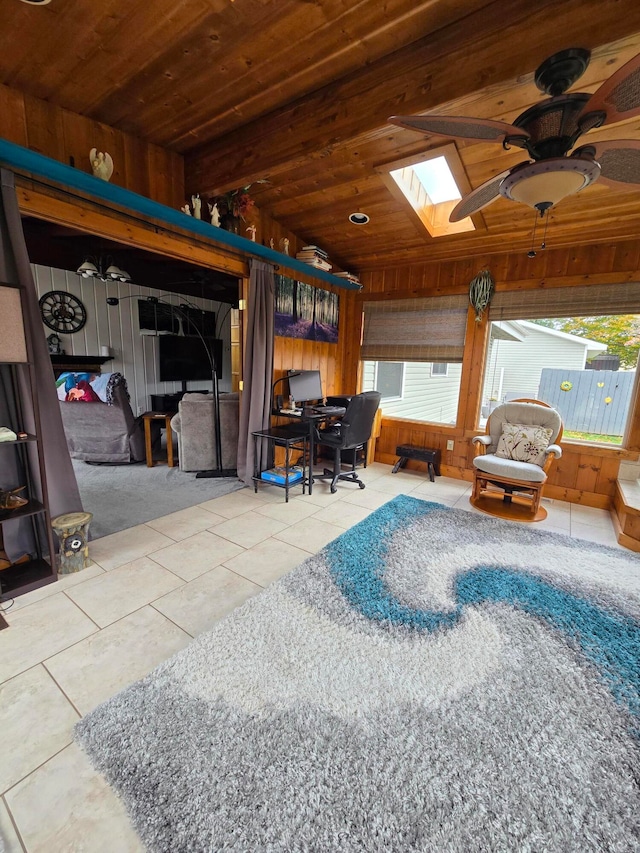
x=329 y=410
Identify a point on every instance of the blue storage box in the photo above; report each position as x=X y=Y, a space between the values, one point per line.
x=278 y=474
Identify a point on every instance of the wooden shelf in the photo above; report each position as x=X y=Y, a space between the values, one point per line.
x=78 y=363
x=31 y=508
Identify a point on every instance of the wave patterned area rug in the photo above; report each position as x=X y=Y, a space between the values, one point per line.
x=432 y=680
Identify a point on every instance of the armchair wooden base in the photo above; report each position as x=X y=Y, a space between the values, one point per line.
x=515 y=501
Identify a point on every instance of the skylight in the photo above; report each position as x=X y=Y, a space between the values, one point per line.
x=436 y=177
x=431 y=186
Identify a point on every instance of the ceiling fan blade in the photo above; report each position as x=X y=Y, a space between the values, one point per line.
x=619 y=161
x=478 y=198
x=618 y=98
x=459 y=127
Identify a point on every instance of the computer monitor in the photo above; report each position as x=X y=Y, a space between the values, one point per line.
x=305 y=385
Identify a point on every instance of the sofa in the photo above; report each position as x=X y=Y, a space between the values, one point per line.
x=194 y=425
x=98 y=421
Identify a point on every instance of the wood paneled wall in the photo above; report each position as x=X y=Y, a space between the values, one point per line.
x=139 y=166
x=585 y=474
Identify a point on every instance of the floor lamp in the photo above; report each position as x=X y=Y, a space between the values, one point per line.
x=218 y=471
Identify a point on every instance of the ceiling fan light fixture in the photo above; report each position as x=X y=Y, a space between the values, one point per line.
x=546 y=182
x=358 y=218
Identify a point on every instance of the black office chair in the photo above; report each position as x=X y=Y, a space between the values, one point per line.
x=353 y=431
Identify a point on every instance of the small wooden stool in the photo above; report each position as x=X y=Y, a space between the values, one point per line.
x=422 y=454
x=72 y=530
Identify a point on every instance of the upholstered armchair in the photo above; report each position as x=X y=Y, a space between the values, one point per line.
x=514 y=458
x=194 y=424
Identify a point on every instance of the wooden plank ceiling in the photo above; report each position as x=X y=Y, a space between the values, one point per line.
x=300 y=93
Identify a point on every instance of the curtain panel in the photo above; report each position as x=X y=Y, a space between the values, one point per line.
x=430 y=330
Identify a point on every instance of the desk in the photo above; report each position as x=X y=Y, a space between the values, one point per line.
x=157 y=416
x=308 y=421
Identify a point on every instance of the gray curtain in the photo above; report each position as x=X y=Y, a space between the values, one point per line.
x=61 y=485
x=255 y=410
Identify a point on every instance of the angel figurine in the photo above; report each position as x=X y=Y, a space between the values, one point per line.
x=186 y=209
x=101 y=164
x=196 y=204
x=272 y=244
x=214 y=213
x=252 y=232
x=284 y=244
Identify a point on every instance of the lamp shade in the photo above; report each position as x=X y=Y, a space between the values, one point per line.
x=87 y=269
x=546 y=182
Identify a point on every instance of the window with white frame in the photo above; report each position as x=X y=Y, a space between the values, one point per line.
x=439 y=368
x=389 y=379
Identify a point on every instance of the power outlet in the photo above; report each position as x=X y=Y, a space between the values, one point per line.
x=140 y=410
x=450 y=444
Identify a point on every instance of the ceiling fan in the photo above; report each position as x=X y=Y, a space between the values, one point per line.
x=548 y=131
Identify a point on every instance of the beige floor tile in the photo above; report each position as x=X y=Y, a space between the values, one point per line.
x=591 y=515
x=594 y=533
x=186 y=522
x=196 y=555
x=36 y=721
x=368 y=498
x=127 y=545
x=8 y=832
x=289 y=513
x=267 y=561
x=123 y=590
x=63 y=582
x=557 y=517
x=322 y=496
x=237 y=503
x=249 y=528
x=66 y=806
x=198 y=605
x=395 y=484
x=311 y=534
x=100 y=666
x=39 y=631
x=342 y=514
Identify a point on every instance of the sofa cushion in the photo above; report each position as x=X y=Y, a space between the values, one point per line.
x=510 y=468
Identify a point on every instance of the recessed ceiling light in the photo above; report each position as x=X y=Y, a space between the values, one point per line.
x=358 y=218
x=37 y=2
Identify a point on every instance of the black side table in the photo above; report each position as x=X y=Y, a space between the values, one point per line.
x=295 y=438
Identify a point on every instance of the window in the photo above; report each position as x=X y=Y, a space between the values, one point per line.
x=433 y=183
x=439 y=368
x=422 y=396
x=389 y=379
x=582 y=366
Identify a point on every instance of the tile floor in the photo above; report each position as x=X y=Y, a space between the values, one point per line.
x=150 y=590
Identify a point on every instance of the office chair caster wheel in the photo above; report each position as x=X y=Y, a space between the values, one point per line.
x=334 y=489
x=361 y=485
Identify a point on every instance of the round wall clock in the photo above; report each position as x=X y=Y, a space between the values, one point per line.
x=62 y=311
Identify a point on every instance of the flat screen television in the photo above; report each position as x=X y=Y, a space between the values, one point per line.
x=305 y=385
x=183 y=359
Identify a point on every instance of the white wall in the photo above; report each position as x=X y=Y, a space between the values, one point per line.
x=134 y=355
x=523 y=361
x=424 y=397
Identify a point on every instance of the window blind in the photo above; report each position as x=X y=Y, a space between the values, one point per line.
x=586 y=301
x=415 y=329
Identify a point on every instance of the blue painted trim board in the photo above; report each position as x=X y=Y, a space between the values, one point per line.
x=17 y=157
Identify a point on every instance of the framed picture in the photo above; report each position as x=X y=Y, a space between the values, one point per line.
x=304 y=311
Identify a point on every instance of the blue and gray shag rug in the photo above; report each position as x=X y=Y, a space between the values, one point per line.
x=432 y=680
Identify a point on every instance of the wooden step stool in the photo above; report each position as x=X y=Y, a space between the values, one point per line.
x=422 y=454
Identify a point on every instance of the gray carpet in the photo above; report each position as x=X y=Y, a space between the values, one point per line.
x=432 y=680
x=121 y=496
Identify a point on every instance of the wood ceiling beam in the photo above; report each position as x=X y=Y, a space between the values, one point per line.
x=471 y=54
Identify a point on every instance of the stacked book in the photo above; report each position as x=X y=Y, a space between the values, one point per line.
x=349 y=276
x=279 y=474
x=314 y=256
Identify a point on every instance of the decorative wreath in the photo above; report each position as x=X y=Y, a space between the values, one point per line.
x=566 y=385
x=480 y=292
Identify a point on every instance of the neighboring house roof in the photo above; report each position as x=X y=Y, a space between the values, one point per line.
x=593 y=347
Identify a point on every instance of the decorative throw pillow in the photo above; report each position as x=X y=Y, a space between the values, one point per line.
x=523 y=443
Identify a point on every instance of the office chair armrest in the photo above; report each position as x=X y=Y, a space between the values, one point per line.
x=483 y=441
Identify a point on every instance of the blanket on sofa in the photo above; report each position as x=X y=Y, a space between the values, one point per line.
x=89 y=387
